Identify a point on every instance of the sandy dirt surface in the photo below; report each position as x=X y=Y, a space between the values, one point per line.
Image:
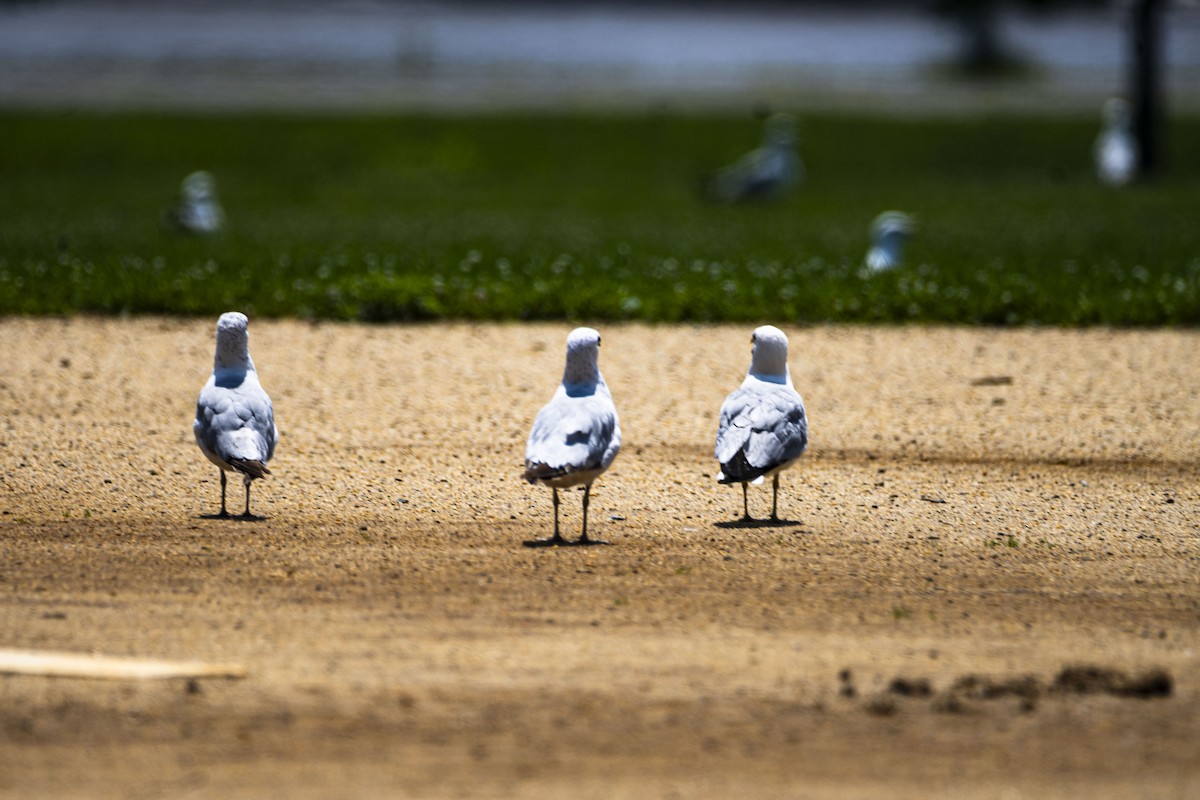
x=987 y=583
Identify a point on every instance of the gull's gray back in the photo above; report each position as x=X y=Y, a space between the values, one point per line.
x=574 y=433
x=235 y=418
x=763 y=426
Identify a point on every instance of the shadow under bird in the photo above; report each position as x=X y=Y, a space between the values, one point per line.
x=235 y=421
x=889 y=232
x=198 y=210
x=763 y=428
x=575 y=436
x=1116 y=149
x=764 y=173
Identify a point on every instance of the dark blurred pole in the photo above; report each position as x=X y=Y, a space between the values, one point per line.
x=1146 y=82
x=984 y=51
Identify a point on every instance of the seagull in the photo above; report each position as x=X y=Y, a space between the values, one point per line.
x=763 y=428
x=235 y=422
x=576 y=435
x=889 y=231
x=766 y=172
x=198 y=211
x=1116 y=150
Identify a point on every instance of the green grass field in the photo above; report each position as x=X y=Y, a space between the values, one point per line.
x=590 y=217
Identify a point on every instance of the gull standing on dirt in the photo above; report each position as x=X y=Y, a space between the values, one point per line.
x=576 y=435
x=763 y=428
x=767 y=172
x=1116 y=148
x=889 y=231
x=198 y=211
x=235 y=422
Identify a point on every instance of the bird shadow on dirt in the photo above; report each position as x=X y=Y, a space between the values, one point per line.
x=758 y=523
x=563 y=543
x=234 y=517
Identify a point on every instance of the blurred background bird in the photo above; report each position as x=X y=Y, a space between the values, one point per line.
x=889 y=231
x=764 y=173
x=198 y=210
x=1116 y=149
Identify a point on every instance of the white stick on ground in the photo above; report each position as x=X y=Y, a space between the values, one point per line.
x=83 y=665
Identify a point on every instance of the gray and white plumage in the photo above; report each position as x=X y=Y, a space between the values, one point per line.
x=235 y=421
x=198 y=210
x=766 y=172
x=1116 y=149
x=889 y=233
x=763 y=428
x=575 y=436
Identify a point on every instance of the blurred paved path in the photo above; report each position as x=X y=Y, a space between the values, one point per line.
x=395 y=55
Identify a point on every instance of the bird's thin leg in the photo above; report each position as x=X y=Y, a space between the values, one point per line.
x=745 y=503
x=587 y=493
x=774 y=497
x=247 y=499
x=224 y=513
x=556 y=537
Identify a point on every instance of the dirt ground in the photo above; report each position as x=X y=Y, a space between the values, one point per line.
x=987 y=584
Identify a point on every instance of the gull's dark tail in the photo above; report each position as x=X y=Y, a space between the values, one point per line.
x=739 y=470
x=542 y=472
x=251 y=469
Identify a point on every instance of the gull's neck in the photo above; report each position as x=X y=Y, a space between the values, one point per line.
x=769 y=364
x=233 y=355
x=784 y=379
x=582 y=369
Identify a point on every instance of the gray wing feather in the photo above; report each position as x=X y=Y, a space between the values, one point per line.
x=236 y=423
x=572 y=434
x=760 y=428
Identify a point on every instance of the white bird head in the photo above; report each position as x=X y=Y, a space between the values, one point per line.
x=233 y=342
x=891 y=223
x=889 y=231
x=199 y=187
x=768 y=358
x=583 y=354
